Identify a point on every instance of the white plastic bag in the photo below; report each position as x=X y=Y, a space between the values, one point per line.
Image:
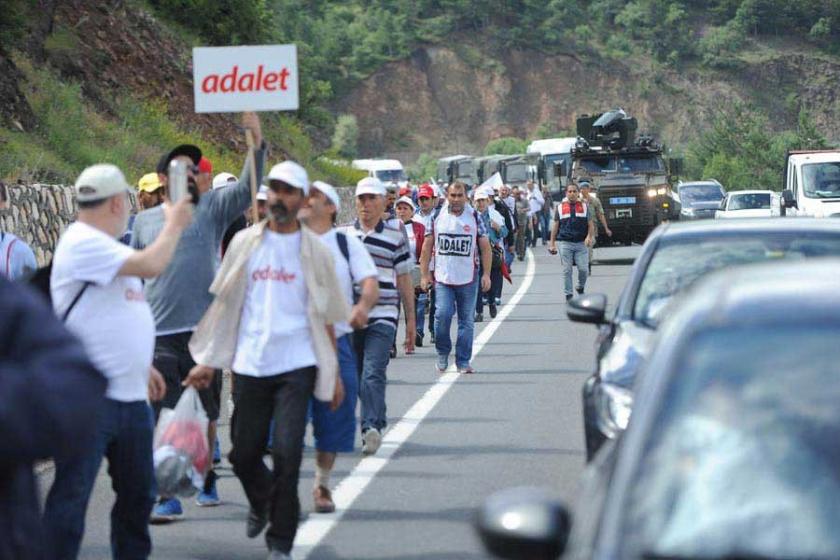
x=181 y=456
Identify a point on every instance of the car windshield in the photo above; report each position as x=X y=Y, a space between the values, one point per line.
x=749 y=201
x=598 y=165
x=700 y=193
x=645 y=164
x=391 y=175
x=516 y=173
x=821 y=180
x=680 y=262
x=744 y=459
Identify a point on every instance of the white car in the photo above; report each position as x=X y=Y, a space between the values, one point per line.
x=749 y=204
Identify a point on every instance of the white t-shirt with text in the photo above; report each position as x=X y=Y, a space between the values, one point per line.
x=361 y=266
x=112 y=318
x=274 y=331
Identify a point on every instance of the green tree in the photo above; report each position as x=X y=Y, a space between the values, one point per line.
x=506 y=145
x=346 y=137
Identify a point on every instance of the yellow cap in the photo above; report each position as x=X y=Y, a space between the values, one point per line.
x=149 y=183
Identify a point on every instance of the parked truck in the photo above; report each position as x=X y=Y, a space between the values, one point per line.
x=456 y=168
x=551 y=164
x=389 y=171
x=811 y=184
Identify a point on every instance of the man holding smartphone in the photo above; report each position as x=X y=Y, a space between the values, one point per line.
x=180 y=296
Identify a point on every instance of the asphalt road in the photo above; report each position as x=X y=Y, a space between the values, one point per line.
x=516 y=422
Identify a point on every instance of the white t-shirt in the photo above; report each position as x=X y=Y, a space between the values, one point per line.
x=361 y=266
x=274 y=332
x=112 y=318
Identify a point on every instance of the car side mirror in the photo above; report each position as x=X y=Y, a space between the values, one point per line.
x=521 y=523
x=589 y=308
x=787 y=199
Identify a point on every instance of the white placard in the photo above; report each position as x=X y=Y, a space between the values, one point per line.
x=493 y=183
x=250 y=78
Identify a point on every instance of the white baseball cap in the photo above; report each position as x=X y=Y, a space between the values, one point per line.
x=329 y=191
x=481 y=194
x=223 y=180
x=290 y=173
x=262 y=194
x=370 y=185
x=100 y=181
x=405 y=200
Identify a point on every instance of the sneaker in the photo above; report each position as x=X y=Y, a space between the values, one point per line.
x=579 y=290
x=466 y=369
x=323 y=500
x=278 y=555
x=498 y=301
x=418 y=340
x=441 y=365
x=568 y=297
x=166 y=510
x=209 y=496
x=371 y=440
x=479 y=317
x=493 y=310
x=217 y=452
x=256 y=523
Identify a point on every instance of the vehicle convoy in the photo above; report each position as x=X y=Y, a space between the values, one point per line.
x=551 y=164
x=698 y=200
x=748 y=204
x=629 y=172
x=389 y=171
x=732 y=450
x=812 y=184
x=673 y=258
x=456 y=168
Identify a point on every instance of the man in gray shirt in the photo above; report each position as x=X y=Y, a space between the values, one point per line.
x=180 y=296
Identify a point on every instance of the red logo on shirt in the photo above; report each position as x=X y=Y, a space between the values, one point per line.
x=268 y=273
x=132 y=295
x=467 y=229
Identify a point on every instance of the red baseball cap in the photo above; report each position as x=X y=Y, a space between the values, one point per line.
x=204 y=165
x=426 y=190
x=405 y=191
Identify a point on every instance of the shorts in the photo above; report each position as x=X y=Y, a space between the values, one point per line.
x=174 y=362
x=335 y=432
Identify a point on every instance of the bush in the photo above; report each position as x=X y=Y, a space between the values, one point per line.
x=346 y=136
x=506 y=145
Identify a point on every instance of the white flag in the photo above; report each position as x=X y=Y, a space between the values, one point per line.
x=494 y=182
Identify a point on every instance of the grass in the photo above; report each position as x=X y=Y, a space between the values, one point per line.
x=71 y=135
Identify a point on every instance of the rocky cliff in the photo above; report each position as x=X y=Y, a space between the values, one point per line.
x=442 y=100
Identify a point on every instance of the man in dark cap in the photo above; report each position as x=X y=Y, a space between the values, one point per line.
x=180 y=296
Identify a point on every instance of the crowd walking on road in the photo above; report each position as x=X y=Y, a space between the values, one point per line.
x=297 y=309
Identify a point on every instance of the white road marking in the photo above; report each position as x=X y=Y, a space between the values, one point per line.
x=317 y=527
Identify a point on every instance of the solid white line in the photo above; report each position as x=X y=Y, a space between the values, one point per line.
x=316 y=527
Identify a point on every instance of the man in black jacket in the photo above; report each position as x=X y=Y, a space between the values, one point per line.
x=510 y=224
x=49 y=404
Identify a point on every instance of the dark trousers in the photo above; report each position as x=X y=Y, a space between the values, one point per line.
x=280 y=401
x=124 y=436
x=495 y=290
x=432 y=311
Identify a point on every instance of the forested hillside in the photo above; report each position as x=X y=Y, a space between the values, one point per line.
x=424 y=78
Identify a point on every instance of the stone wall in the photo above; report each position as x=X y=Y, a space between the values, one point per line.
x=39 y=213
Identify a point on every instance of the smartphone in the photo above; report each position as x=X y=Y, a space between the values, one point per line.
x=177 y=180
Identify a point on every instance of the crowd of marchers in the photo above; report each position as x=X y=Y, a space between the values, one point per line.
x=301 y=313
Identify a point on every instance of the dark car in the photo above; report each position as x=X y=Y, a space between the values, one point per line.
x=699 y=199
x=734 y=447
x=675 y=256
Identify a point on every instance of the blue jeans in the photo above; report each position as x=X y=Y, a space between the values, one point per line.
x=574 y=254
x=450 y=299
x=124 y=436
x=545 y=225
x=335 y=430
x=373 y=352
x=420 y=308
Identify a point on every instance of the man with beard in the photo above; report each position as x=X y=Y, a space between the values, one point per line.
x=180 y=296
x=272 y=323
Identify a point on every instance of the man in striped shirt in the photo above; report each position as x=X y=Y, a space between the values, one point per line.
x=388 y=246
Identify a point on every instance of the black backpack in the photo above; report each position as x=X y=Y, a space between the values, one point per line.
x=40 y=281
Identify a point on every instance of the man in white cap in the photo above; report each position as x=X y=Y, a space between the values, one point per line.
x=335 y=431
x=389 y=248
x=277 y=300
x=97 y=289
